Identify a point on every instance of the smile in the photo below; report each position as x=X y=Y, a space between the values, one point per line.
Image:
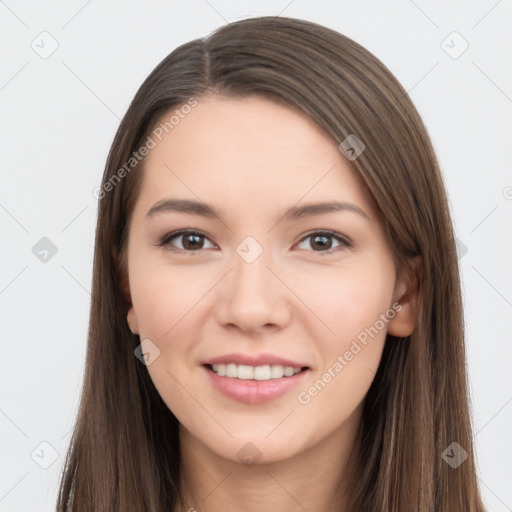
x=254 y=384
x=246 y=372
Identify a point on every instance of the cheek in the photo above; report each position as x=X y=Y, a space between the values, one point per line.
x=166 y=296
x=351 y=307
x=353 y=304
x=168 y=302
x=349 y=299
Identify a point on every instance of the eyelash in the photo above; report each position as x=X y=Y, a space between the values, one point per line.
x=344 y=241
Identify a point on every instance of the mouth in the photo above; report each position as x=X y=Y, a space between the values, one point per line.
x=254 y=384
x=246 y=372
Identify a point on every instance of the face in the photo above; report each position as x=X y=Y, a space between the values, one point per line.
x=250 y=272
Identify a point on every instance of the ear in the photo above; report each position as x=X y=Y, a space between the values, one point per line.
x=131 y=318
x=406 y=294
x=124 y=285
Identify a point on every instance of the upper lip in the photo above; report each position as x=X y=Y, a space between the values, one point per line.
x=258 y=360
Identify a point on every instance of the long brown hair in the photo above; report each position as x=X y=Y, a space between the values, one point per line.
x=124 y=452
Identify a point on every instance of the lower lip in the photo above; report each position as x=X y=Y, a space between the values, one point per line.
x=254 y=391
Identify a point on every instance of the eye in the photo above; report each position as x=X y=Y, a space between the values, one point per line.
x=191 y=241
x=323 y=240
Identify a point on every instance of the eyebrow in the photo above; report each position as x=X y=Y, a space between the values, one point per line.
x=192 y=207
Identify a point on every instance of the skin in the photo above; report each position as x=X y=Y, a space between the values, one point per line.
x=251 y=159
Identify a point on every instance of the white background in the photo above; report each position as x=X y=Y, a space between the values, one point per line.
x=58 y=119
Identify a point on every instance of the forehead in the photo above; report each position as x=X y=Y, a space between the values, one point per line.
x=250 y=149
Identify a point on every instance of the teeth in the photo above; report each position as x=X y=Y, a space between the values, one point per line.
x=245 y=372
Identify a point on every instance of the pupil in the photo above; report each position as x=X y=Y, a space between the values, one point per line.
x=324 y=244
x=196 y=241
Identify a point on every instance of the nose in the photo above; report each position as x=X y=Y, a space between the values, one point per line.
x=252 y=297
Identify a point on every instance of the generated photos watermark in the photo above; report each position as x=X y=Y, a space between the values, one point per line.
x=305 y=397
x=151 y=142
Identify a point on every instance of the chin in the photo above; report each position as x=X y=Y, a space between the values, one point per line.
x=254 y=450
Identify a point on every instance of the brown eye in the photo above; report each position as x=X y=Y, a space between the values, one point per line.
x=322 y=242
x=191 y=241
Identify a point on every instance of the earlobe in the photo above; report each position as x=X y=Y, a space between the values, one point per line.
x=404 y=322
x=124 y=286
x=131 y=318
x=406 y=294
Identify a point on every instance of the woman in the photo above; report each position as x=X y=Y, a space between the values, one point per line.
x=276 y=317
